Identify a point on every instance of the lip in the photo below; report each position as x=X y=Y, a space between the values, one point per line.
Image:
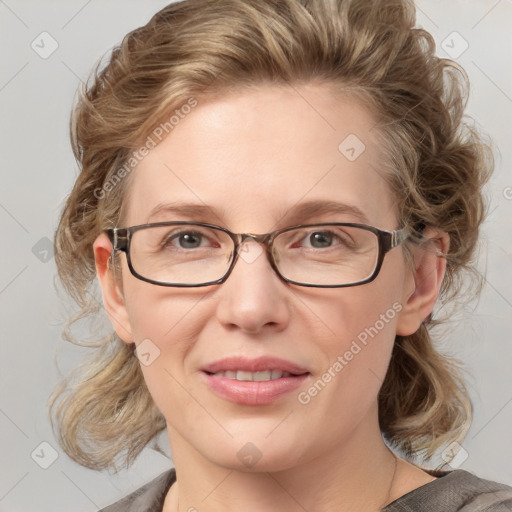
x=259 y=364
x=253 y=392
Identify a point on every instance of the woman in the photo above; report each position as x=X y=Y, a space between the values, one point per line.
x=273 y=195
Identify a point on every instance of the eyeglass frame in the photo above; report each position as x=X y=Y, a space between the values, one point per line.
x=387 y=240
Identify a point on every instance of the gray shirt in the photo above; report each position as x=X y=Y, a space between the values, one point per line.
x=452 y=491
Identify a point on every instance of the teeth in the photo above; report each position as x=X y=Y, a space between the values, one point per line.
x=253 y=376
x=266 y=375
x=243 y=375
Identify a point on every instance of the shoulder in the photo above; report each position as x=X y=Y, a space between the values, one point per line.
x=455 y=491
x=148 y=498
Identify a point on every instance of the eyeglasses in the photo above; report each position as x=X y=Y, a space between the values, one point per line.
x=184 y=254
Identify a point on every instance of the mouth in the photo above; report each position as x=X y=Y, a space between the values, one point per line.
x=261 y=376
x=253 y=381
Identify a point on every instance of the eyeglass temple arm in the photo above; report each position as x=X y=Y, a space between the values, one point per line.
x=400 y=235
x=118 y=238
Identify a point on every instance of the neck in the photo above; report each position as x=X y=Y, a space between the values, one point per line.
x=356 y=475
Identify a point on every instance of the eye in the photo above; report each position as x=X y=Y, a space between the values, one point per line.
x=321 y=239
x=188 y=240
x=325 y=239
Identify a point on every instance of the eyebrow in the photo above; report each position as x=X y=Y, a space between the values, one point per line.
x=297 y=213
x=311 y=209
x=190 y=210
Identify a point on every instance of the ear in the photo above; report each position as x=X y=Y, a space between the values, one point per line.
x=423 y=283
x=111 y=287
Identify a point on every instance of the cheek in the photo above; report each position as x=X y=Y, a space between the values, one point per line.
x=362 y=323
x=360 y=313
x=375 y=310
x=346 y=389
x=369 y=349
x=365 y=331
x=156 y=312
x=165 y=323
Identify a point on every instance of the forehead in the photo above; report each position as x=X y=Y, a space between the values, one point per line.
x=251 y=156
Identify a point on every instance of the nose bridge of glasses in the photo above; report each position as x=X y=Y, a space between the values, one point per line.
x=254 y=236
x=262 y=239
x=261 y=242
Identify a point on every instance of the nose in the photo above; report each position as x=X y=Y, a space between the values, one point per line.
x=253 y=297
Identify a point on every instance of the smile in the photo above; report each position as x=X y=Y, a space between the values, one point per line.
x=253 y=376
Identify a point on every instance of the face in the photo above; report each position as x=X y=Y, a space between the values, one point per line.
x=253 y=157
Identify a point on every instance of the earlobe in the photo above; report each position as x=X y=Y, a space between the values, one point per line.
x=111 y=287
x=424 y=283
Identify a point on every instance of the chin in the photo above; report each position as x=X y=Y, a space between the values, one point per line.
x=254 y=453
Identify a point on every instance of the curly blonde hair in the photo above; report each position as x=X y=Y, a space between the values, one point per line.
x=437 y=166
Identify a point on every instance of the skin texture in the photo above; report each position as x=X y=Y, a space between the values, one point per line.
x=252 y=155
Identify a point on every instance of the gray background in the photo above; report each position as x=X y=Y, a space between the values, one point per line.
x=38 y=171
